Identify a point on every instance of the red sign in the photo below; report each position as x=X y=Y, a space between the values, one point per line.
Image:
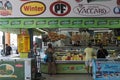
x=60 y=8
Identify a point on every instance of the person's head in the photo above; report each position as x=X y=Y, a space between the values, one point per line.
x=35 y=45
x=89 y=45
x=101 y=46
x=6 y=44
x=49 y=45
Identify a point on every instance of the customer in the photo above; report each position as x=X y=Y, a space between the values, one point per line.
x=102 y=53
x=8 y=50
x=50 y=59
x=35 y=48
x=89 y=53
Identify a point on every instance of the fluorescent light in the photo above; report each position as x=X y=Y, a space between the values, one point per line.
x=42 y=30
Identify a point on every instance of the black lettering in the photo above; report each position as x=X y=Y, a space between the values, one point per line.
x=63 y=8
x=60 y=8
x=57 y=8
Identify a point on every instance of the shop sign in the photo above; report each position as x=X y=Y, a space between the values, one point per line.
x=77 y=22
x=5 y=8
x=29 y=22
x=4 y=22
x=15 y=22
x=60 y=22
x=33 y=8
x=60 y=8
x=65 y=22
x=90 y=22
x=40 y=22
x=102 y=22
x=91 y=9
x=54 y=22
x=114 y=22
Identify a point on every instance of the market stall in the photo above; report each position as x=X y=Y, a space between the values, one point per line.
x=80 y=14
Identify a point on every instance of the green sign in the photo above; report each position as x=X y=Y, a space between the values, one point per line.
x=59 y=23
x=11 y=70
x=66 y=68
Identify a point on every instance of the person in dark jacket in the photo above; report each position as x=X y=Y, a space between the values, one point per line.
x=102 y=53
x=8 y=49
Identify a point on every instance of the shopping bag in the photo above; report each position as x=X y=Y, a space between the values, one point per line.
x=45 y=58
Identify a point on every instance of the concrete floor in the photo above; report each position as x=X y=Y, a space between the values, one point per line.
x=67 y=77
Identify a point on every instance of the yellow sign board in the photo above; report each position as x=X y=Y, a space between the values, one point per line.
x=23 y=43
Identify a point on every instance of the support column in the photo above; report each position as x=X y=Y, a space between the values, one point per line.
x=3 y=42
x=7 y=38
x=31 y=37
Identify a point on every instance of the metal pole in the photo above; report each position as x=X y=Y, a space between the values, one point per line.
x=31 y=38
x=3 y=41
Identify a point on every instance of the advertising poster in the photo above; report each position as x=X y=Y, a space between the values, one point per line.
x=11 y=70
x=107 y=70
x=60 y=8
x=23 y=43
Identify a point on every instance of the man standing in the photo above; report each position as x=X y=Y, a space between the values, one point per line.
x=102 y=53
x=89 y=53
x=8 y=50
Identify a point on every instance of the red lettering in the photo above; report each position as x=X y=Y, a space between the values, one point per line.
x=26 y=8
x=35 y=8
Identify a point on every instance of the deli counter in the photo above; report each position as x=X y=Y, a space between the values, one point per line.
x=68 y=60
x=73 y=60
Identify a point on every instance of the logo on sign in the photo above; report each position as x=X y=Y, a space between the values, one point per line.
x=60 y=8
x=91 y=10
x=33 y=8
x=7 y=71
x=5 y=8
x=116 y=10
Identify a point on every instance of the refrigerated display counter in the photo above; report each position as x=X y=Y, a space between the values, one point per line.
x=66 y=67
x=17 y=69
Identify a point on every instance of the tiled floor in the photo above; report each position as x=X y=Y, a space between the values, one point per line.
x=67 y=77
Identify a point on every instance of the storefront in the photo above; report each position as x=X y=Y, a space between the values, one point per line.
x=68 y=14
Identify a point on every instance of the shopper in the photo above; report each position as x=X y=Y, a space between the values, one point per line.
x=8 y=50
x=50 y=59
x=89 y=52
x=35 y=48
x=102 y=53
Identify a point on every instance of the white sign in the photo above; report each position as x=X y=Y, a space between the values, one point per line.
x=59 y=8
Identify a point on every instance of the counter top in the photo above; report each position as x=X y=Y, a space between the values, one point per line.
x=67 y=61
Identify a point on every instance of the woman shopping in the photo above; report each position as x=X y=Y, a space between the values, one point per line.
x=50 y=59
